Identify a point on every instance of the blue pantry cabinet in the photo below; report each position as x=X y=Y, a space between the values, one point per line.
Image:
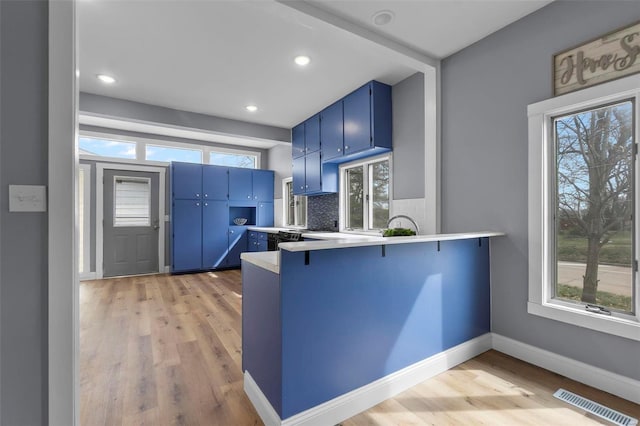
x=205 y=201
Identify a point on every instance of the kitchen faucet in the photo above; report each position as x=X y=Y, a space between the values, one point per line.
x=398 y=216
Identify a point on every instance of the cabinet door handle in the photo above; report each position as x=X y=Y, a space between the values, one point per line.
x=231 y=231
x=346 y=147
x=339 y=149
x=249 y=196
x=197 y=195
x=206 y=204
x=198 y=204
x=255 y=197
x=206 y=195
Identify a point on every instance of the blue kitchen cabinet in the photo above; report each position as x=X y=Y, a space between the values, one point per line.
x=238 y=243
x=240 y=184
x=367 y=119
x=257 y=241
x=313 y=173
x=312 y=177
x=186 y=181
x=331 y=131
x=312 y=134
x=262 y=182
x=264 y=214
x=305 y=137
x=215 y=220
x=215 y=182
x=299 y=175
x=297 y=141
x=186 y=230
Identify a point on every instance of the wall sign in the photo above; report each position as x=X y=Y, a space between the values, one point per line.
x=606 y=58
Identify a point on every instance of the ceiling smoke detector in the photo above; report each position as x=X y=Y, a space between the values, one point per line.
x=382 y=17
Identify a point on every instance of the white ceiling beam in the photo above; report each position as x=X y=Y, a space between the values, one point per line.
x=396 y=51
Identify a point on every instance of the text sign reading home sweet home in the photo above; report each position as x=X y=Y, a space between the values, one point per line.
x=612 y=56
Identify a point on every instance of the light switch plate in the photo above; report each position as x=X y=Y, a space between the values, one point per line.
x=27 y=198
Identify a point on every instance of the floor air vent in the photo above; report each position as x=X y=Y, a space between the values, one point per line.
x=593 y=407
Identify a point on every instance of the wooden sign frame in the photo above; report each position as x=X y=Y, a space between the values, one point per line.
x=605 y=58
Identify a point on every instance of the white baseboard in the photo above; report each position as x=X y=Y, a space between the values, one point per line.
x=607 y=381
x=260 y=402
x=88 y=276
x=348 y=405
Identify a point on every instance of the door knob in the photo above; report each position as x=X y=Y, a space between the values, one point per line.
x=156 y=225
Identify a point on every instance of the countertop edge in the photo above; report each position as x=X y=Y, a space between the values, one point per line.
x=263 y=259
x=377 y=241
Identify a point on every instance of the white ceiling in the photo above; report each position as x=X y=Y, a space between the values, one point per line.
x=216 y=57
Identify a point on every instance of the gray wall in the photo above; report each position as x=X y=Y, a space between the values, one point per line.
x=112 y=107
x=279 y=160
x=408 y=138
x=486 y=89
x=23 y=236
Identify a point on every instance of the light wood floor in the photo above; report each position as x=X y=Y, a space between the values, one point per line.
x=166 y=350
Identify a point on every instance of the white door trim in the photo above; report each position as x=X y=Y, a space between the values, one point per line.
x=63 y=331
x=100 y=168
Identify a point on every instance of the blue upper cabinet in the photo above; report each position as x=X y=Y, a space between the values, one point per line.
x=263 y=181
x=186 y=181
x=240 y=184
x=357 y=120
x=367 y=120
x=215 y=182
x=313 y=173
x=331 y=131
x=312 y=134
x=265 y=214
x=299 y=175
x=297 y=141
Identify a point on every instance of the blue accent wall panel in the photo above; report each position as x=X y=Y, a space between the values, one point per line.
x=352 y=316
x=261 y=336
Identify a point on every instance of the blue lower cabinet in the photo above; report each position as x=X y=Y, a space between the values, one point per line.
x=186 y=230
x=238 y=243
x=257 y=241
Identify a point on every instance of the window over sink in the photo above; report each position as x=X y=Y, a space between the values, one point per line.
x=365 y=194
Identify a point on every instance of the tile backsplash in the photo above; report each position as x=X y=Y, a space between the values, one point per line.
x=323 y=212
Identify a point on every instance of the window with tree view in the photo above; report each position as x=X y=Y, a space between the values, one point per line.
x=366 y=195
x=594 y=217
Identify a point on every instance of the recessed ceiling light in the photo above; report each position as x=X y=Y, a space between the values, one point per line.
x=302 y=60
x=106 y=78
x=382 y=17
x=251 y=108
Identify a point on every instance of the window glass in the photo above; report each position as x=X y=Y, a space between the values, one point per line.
x=107 y=148
x=247 y=161
x=81 y=225
x=296 y=213
x=594 y=236
x=355 y=198
x=132 y=201
x=379 y=188
x=168 y=153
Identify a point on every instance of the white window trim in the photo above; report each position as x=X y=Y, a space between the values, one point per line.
x=86 y=221
x=141 y=149
x=285 y=206
x=343 y=192
x=540 y=199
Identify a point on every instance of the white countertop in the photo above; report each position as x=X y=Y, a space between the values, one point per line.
x=269 y=229
x=354 y=240
x=269 y=260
